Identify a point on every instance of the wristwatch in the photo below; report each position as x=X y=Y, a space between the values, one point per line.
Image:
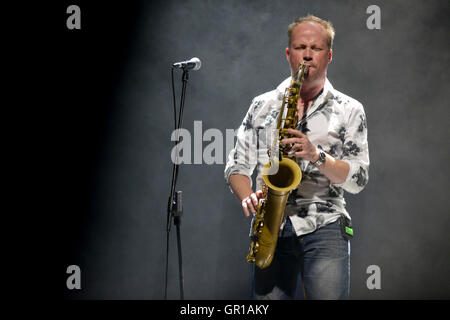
x=321 y=160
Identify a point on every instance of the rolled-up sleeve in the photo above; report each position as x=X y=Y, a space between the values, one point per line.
x=242 y=159
x=355 y=150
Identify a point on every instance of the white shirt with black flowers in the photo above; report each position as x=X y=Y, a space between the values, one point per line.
x=336 y=123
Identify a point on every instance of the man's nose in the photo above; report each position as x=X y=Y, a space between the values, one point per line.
x=307 y=54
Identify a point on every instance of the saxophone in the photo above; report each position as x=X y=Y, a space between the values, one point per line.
x=276 y=187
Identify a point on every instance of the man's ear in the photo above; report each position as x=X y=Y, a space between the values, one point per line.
x=287 y=54
x=330 y=55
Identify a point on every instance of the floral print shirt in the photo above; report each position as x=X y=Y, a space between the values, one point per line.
x=336 y=123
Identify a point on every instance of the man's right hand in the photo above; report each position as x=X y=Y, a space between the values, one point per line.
x=242 y=189
x=250 y=203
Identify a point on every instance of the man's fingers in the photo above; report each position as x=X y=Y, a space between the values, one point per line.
x=294 y=141
x=247 y=206
x=254 y=200
x=251 y=203
x=295 y=133
x=244 y=207
x=290 y=140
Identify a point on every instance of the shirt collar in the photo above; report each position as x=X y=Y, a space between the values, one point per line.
x=327 y=94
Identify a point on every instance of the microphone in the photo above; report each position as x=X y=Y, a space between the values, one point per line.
x=193 y=64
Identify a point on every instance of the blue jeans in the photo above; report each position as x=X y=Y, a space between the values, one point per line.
x=312 y=266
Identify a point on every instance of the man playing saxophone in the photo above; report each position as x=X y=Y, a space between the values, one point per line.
x=330 y=146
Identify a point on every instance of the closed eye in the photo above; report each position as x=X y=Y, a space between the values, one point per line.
x=312 y=48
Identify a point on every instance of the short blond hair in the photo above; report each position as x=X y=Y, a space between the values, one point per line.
x=327 y=25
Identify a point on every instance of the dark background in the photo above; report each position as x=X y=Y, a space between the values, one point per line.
x=107 y=120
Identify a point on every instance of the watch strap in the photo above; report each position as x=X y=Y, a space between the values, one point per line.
x=321 y=159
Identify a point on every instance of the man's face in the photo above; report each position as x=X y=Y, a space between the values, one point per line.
x=309 y=44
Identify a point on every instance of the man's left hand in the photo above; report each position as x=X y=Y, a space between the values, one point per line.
x=301 y=146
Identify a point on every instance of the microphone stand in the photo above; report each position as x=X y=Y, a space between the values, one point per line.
x=175 y=205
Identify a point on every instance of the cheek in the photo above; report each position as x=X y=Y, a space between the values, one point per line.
x=296 y=57
x=324 y=60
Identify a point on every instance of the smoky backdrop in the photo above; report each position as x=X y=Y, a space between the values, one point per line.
x=115 y=120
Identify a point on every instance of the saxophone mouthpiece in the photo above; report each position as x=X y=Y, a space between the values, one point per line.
x=306 y=73
x=302 y=71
